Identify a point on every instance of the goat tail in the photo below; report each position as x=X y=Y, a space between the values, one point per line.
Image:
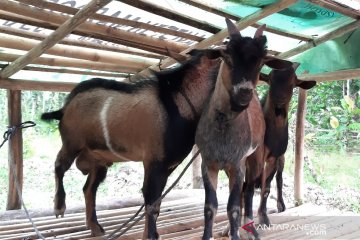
x=57 y=115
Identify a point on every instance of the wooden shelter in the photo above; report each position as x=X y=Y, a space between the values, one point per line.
x=99 y=39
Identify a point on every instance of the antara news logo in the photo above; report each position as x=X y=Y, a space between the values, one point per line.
x=311 y=229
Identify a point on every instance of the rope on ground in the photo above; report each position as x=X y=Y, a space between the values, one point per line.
x=7 y=136
x=113 y=234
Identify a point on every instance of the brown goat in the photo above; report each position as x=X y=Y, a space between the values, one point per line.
x=269 y=158
x=232 y=125
x=151 y=120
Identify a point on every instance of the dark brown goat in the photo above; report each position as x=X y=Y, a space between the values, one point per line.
x=232 y=124
x=269 y=158
x=151 y=120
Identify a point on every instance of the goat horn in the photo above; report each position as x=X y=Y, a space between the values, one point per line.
x=259 y=31
x=232 y=29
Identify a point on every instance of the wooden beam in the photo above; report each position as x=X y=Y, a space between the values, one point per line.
x=106 y=46
x=54 y=37
x=15 y=157
x=317 y=41
x=206 y=7
x=20 y=43
x=336 y=7
x=20 y=84
x=73 y=63
x=332 y=76
x=71 y=71
x=242 y=24
x=172 y=15
x=103 y=18
x=197 y=181
x=51 y=19
x=299 y=148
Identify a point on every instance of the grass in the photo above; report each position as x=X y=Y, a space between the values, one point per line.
x=334 y=169
x=337 y=174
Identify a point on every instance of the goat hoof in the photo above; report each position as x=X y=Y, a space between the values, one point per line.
x=97 y=230
x=59 y=212
x=264 y=219
x=281 y=206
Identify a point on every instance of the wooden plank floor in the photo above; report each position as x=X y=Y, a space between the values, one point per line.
x=181 y=218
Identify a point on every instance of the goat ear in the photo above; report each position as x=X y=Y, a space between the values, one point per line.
x=264 y=77
x=295 y=65
x=305 y=84
x=277 y=63
x=232 y=29
x=259 y=31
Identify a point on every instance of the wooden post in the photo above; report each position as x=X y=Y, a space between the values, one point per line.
x=299 y=148
x=196 y=170
x=15 y=157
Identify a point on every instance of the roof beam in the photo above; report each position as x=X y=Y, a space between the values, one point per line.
x=103 y=18
x=24 y=44
x=332 y=76
x=172 y=15
x=20 y=84
x=242 y=24
x=72 y=71
x=317 y=41
x=278 y=31
x=54 y=37
x=51 y=19
x=72 y=63
x=79 y=43
x=336 y=7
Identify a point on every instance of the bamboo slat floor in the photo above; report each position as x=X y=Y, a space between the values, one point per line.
x=181 y=218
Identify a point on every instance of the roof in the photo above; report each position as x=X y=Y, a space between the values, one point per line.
x=42 y=41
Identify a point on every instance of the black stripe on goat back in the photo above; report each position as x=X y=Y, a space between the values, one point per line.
x=125 y=87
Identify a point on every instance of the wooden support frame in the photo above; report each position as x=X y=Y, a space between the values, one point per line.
x=15 y=158
x=175 y=16
x=54 y=37
x=51 y=19
x=20 y=84
x=71 y=71
x=121 y=60
x=332 y=76
x=281 y=32
x=196 y=170
x=104 y=18
x=72 y=63
x=80 y=43
x=242 y=24
x=334 y=34
x=299 y=148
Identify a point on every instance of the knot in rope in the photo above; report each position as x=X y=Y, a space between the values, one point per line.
x=12 y=129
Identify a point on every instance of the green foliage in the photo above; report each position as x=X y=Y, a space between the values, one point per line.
x=329 y=109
